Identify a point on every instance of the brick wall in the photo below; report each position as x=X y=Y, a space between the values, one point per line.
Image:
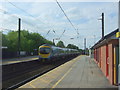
x=110 y=77
x=103 y=59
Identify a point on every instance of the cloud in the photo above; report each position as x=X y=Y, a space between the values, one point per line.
x=48 y=16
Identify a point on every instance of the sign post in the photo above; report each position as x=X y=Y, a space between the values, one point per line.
x=119 y=42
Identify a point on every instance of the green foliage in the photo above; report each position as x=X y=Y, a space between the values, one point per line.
x=0 y=38
x=61 y=44
x=12 y=41
x=28 y=41
x=72 y=46
x=4 y=40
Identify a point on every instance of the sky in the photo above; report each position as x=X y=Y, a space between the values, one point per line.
x=41 y=17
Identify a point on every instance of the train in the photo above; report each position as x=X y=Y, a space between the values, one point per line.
x=48 y=53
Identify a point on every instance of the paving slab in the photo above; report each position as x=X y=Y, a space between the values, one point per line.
x=81 y=72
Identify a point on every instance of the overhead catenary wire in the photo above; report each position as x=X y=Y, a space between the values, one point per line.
x=6 y=12
x=24 y=21
x=27 y=13
x=19 y=8
x=67 y=16
x=37 y=18
x=48 y=32
x=62 y=34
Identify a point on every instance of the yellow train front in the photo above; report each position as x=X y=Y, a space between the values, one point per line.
x=44 y=53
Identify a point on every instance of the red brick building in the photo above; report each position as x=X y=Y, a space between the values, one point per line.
x=106 y=54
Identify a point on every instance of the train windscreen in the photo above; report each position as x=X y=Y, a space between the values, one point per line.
x=45 y=50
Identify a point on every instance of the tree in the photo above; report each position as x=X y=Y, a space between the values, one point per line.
x=12 y=37
x=60 y=44
x=4 y=40
x=28 y=41
x=72 y=46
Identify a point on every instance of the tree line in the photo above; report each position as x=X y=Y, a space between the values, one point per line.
x=28 y=41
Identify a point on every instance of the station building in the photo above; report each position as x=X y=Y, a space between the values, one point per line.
x=106 y=55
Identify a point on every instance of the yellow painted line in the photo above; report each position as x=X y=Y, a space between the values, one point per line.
x=20 y=60
x=61 y=78
x=35 y=58
x=32 y=86
x=12 y=62
x=29 y=59
x=56 y=69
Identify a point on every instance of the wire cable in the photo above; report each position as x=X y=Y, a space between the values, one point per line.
x=26 y=12
x=19 y=8
x=62 y=34
x=66 y=16
x=5 y=12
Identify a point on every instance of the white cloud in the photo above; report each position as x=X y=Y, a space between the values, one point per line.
x=48 y=16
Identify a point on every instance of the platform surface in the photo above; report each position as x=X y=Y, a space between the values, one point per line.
x=81 y=72
x=17 y=60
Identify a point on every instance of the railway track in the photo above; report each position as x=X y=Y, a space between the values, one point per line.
x=18 y=74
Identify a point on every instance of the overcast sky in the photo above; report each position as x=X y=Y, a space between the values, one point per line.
x=41 y=17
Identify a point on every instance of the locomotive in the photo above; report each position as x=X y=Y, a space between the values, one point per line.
x=48 y=53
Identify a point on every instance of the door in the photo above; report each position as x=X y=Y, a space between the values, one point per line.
x=100 y=57
x=116 y=59
x=107 y=61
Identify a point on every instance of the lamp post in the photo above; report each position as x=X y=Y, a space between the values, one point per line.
x=102 y=19
x=19 y=27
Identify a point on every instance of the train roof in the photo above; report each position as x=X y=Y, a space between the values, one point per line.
x=45 y=45
x=54 y=47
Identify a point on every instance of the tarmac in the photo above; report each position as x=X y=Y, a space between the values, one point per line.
x=81 y=72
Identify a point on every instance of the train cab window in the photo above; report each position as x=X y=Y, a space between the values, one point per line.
x=45 y=50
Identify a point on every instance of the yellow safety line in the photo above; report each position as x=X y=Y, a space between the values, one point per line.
x=61 y=78
x=21 y=60
x=32 y=86
x=53 y=71
x=28 y=59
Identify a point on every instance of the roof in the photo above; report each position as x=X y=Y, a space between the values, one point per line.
x=106 y=37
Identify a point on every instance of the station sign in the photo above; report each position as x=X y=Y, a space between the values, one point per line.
x=118 y=34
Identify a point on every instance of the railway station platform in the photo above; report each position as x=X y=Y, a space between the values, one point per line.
x=18 y=60
x=81 y=72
